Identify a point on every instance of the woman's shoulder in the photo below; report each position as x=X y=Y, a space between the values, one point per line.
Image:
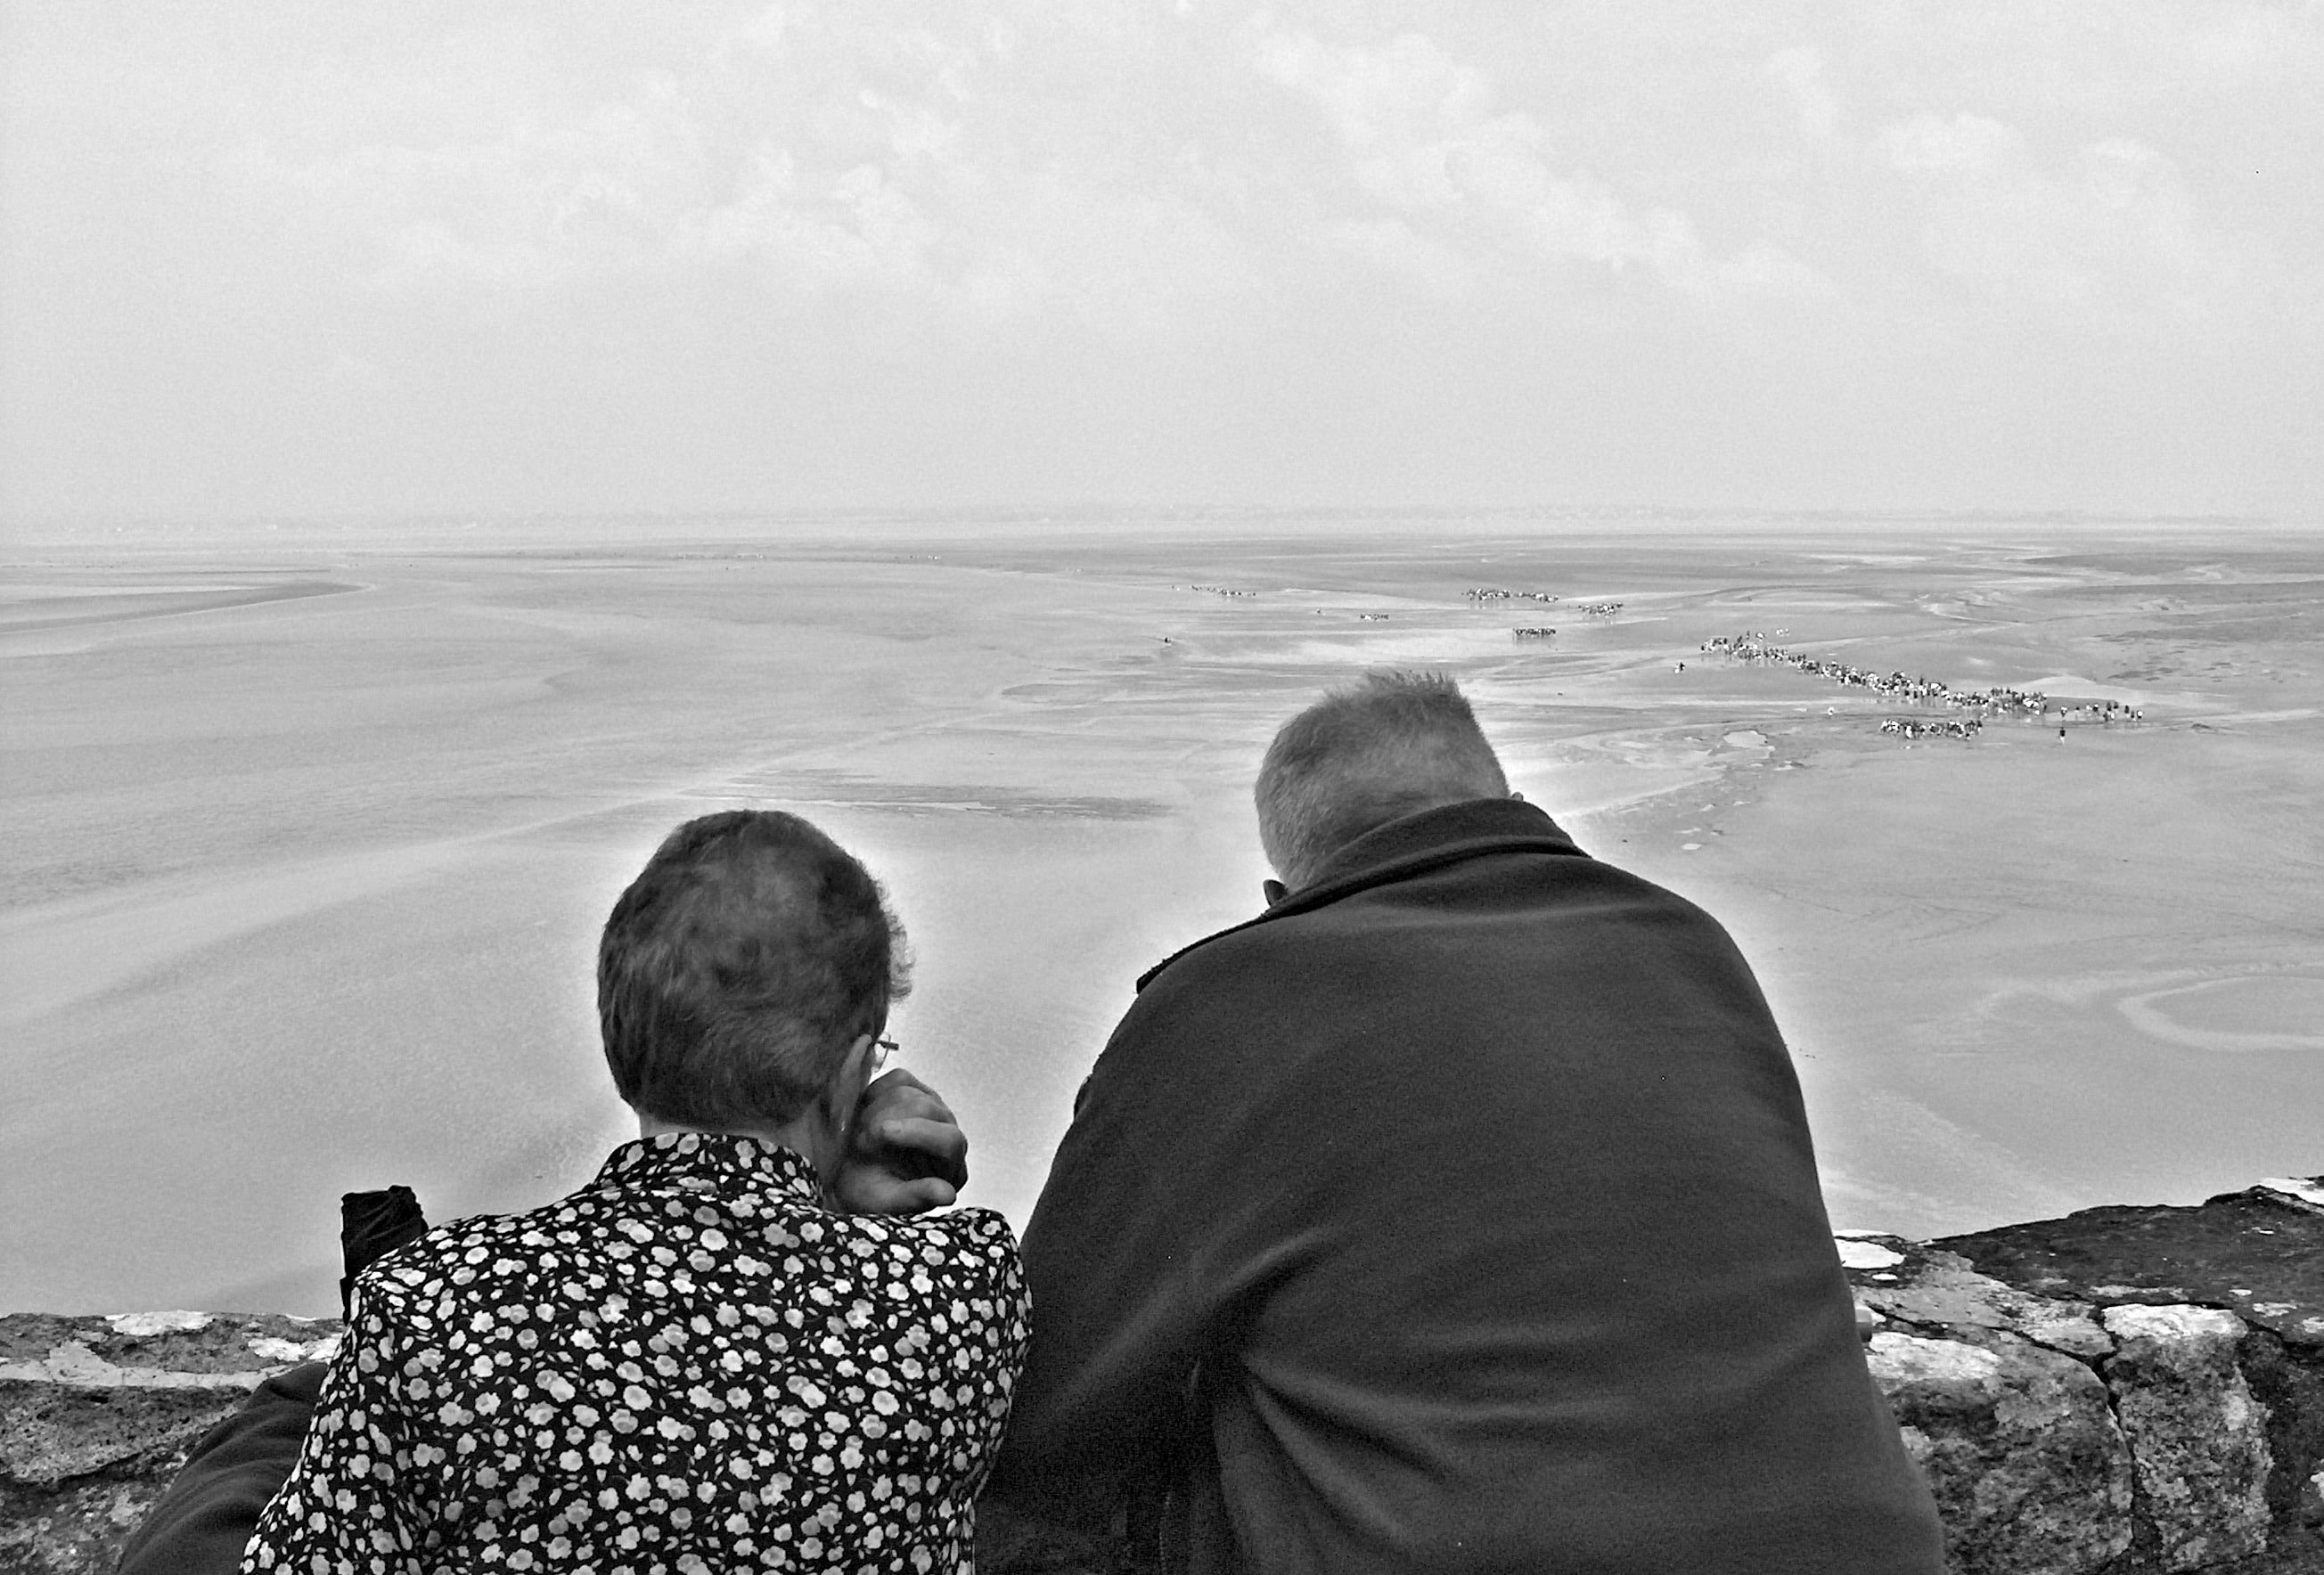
x=984 y=1232
x=970 y=1253
x=455 y=1250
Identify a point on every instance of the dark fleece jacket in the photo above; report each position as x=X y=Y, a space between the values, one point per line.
x=1458 y=1213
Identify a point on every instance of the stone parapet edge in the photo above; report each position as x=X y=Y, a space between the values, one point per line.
x=2061 y=1436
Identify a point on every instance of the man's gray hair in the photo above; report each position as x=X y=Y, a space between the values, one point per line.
x=1387 y=746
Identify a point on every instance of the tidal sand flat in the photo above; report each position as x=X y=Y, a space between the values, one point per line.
x=309 y=842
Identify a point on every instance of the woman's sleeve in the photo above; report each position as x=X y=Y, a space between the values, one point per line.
x=349 y=1502
x=982 y=1297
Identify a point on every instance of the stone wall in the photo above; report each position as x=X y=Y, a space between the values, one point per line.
x=96 y=1414
x=2127 y=1391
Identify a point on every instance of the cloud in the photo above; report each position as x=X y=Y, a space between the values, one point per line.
x=1396 y=249
x=1799 y=72
x=627 y=239
x=1423 y=139
x=857 y=228
x=798 y=147
x=2108 y=238
x=1963 y=142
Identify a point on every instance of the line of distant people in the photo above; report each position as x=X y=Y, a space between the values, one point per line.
x=1753 y=647
x=1940 y=727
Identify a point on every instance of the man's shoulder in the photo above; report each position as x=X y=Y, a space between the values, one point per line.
x=1553 y=890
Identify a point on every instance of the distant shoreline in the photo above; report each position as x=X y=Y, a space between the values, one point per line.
x=875 y=527
x=74 y=610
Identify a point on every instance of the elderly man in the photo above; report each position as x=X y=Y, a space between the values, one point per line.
x=1457 y=1213
x=717 y=1355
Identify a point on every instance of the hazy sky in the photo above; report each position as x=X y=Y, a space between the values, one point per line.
x=291 y=257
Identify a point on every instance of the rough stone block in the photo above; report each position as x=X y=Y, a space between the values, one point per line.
x=96 y=1414
x=76 y=1530
x=2260 y=1251
x=2198 y=1437
x=2291 y=1394
x=2031 y=1474
x=1939 y=1292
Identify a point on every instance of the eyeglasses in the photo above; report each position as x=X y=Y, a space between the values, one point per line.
x=880 y=1050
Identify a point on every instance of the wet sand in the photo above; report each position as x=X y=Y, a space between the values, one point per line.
x=304 y=886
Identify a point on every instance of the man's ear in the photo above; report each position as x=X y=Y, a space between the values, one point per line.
x=1275 y=891
x=1519 y=797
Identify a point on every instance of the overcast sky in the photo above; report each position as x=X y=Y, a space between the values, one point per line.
x=270 y=257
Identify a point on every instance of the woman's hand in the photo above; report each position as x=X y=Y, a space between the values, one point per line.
x=907 y=1154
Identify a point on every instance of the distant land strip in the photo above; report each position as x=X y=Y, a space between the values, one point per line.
x=808 y=792
x=67 y=612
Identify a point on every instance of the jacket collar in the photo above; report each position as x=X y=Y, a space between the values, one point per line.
x=719 y=1162
x=1409 y=846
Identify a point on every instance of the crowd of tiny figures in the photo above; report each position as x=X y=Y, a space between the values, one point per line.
x=1754 y=646
x=1939 y=727
x=1483 y=596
